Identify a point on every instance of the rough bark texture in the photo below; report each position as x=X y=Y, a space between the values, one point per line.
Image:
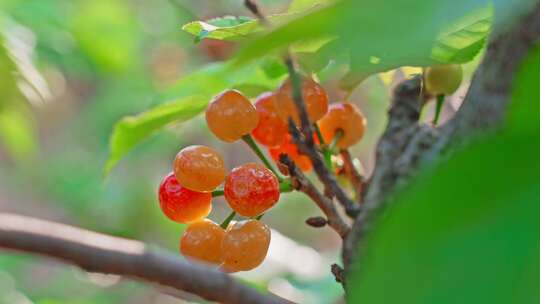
x=96 y=252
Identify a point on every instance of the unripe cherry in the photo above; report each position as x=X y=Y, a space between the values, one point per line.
x=347 y=118
x=313 y=94
x=199 y=168
x=271 y=130
x=202 y=240
x=443 y=79
x=230 y=115
x=245 y=245
x=251 y=189
x=181 y=204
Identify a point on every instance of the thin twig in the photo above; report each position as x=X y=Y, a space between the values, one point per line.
x=95 y=252
x=352 y=174
x=338 y=273
x=325 y=176
x=255 y=10
x=302 y=184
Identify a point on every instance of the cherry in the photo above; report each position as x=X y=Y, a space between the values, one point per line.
x=230 y=115
x=289 y=147
x=199 y=168
x=202 y=241
x=181 y=204
x=245 y=245
x=347 y=118
x=251 y=189
x=271 y=129
x=315 y=99
x=443 y=79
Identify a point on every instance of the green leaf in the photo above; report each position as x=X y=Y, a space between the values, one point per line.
x=303 y=5
x=132 y=129
x=224 y=28
x=468 y=231
x=231 y=28
x=440 y=32
x=525 y=95
x=189 y=98
x=464 y=40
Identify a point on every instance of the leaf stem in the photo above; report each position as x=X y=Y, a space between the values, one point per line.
x=438 y=108
x=251 y=143
x=228 y=220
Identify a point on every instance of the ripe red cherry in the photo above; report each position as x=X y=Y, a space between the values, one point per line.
x=251 y=189
x=271 y=129
x=181 y=204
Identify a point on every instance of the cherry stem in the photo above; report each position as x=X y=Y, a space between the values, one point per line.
x=286 y=186
x=331 y=149
x=217 y=193
x=319 y=134
x=337 y=136
x=251 y=143
x=259 y=217
x=438 y=108
x=228 y=220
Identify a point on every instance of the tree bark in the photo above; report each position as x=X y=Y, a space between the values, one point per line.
x=95 y=252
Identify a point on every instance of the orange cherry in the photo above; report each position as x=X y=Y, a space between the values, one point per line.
x=230 y=115
x=314 y=96
x=245 y=245
x=271 y=129
x=347 y=118
x=289 y=147
x=202 y=241
x=199 y=168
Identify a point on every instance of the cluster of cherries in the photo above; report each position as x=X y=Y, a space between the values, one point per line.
x=251 y=189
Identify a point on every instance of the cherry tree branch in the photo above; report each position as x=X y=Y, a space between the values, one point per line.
x=95 y=252
x=306 y=145
x=302 y=184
